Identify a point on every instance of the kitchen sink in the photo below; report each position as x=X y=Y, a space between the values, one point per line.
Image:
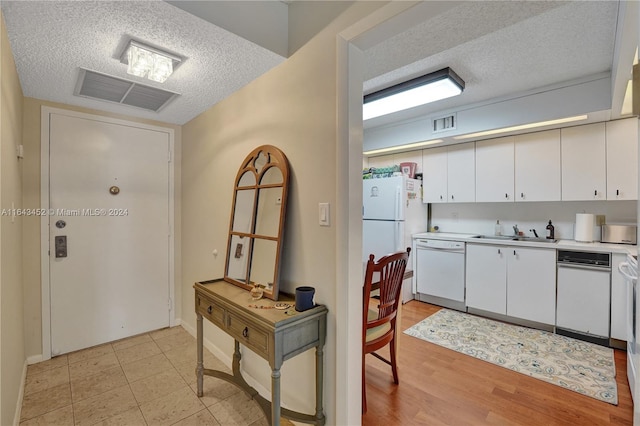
x=515 y=238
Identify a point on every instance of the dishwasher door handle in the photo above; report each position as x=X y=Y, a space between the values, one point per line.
x=585 y=267
x=448 y=249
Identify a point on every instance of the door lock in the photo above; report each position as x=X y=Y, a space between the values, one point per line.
x=61 y=246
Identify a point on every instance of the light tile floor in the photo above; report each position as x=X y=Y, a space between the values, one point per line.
x=143 y=380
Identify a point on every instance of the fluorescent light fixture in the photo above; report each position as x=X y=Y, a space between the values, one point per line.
x=422 y=90
x=147 y=61
x=523 y=127
x=402 y=147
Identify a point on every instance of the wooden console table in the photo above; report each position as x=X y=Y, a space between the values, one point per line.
x=275 y=335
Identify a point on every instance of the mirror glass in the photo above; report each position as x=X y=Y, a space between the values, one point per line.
x=271 y=176
x=263 y=262
x=268 y=216
x=257 y=221
x=247 y=179
x=243 y=213
x=238 y=260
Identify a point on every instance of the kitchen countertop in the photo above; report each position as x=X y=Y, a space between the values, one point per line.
x=560 y=245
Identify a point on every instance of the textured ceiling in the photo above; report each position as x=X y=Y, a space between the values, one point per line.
x=51 y=40
x=499 y=48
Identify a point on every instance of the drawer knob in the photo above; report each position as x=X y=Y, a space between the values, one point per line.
x=210 y=309
x=245 y=332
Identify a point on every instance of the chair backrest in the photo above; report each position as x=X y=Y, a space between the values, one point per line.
x=389 y=272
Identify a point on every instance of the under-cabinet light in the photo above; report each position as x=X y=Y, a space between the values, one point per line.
x=422 y=90
x=523 y=127
x=402 y=147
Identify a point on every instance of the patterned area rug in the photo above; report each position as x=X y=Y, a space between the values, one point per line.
x=580 y=366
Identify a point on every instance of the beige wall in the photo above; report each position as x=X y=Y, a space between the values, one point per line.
x=31 y=199
x=12 y=353
x=294 y=108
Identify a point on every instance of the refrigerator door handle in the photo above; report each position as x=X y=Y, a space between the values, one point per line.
x=399 y=236
x=397 y=204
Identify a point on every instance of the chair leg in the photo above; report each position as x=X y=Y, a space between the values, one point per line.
x=364 y=389
x=394 y=365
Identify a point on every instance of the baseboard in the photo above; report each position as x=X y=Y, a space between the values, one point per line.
x=18 y=412
x=34 y=359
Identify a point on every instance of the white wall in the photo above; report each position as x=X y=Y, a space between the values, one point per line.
x=481 y=217
x=292 y=107
x=12 y=353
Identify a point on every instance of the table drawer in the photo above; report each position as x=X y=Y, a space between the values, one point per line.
x=247 y=334
x=210 y=310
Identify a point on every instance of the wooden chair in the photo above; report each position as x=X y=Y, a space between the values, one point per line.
x=379 y=325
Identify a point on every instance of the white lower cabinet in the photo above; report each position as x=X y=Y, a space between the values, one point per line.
x=531 y=284
x=486 y=282
x=512 y=280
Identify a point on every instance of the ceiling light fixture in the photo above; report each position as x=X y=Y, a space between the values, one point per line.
x=523 y=127
x=422 y=90
x=403 y=147
x=147 y=61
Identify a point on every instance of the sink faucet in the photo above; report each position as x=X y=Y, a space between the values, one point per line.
x=516 y=231
x=534 y=232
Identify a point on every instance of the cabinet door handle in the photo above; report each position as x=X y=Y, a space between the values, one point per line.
x=452 y=197
x=595 y=193
x=499 y=252
x=210 y=309
x=514 y=252
x=245 y=332
x=506 y=196
x=617 y=192
x=522 y=195
x=441 y=197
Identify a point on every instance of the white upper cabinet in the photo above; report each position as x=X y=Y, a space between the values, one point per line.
x=537 y=166
x=622 y=159
x=494 y=170
x=434 y=176
x=461 y=173
x=584 y=172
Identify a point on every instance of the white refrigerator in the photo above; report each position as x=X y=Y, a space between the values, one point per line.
x=392 y=211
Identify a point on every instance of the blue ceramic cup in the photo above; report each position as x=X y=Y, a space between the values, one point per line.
x=304 y=298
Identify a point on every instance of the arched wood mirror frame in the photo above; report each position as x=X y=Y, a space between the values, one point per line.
x=257 y=221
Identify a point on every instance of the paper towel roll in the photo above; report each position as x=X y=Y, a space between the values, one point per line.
x=584 y=227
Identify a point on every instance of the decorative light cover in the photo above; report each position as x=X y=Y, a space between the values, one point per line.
x=146 y=61
x=408 y=94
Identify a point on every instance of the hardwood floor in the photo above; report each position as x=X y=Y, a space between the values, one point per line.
x=441 y=387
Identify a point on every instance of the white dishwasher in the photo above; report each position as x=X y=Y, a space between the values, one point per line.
x=439 y=272
x=584 y=295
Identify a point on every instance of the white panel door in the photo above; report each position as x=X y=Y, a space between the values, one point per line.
x=486 y=283
x=622 y=159
x=114 y=280
x=584 y=162
x=537 y=166
x=494 y=170
x=461 y=173
x=434 y=176
x=531 y=284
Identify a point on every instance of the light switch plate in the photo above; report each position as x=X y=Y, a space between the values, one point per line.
x=324 y=214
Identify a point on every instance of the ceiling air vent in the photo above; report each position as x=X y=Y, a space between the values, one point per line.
x=442 y=124
x=104 y=87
